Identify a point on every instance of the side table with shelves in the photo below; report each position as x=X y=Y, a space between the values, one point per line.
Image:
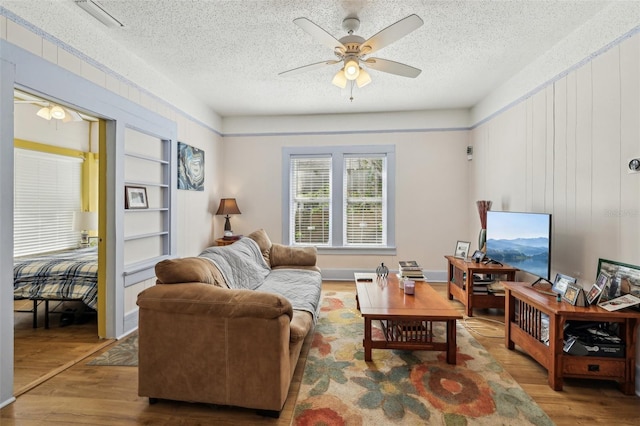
x=460 y=283
x=526 y=310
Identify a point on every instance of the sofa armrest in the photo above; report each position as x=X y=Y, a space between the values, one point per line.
x=282 y=255
x=211 y=301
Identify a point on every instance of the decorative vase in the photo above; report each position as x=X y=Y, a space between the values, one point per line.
x=382 y=271
x=482 y=239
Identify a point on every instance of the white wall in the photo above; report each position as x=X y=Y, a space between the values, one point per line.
x=431 y=183
x=565 y=151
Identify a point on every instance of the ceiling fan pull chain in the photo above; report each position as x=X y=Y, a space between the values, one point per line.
x=351 y=98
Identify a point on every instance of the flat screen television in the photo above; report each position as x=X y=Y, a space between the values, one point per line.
x=521 y=240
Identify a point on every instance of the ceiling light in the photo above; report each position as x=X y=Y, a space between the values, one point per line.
x=363 y=78
x=44 y=113
x=57 y=112
x=351 y=69
x=339 y=79
x=96 y=10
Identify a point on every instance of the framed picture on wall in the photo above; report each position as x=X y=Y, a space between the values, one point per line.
x=135 y=197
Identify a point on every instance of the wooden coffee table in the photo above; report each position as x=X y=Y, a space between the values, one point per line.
x=407 y=320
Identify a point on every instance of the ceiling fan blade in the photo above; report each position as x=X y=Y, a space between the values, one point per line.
x=392 y=67
x=392 y=33
x=309 y=67
x=319 y=34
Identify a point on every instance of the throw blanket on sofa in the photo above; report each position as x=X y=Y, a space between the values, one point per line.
x=300 y=287
x=241 y=263
x=243 y=267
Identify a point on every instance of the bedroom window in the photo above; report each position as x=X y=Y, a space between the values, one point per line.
x=47 y=191
x=339 y=197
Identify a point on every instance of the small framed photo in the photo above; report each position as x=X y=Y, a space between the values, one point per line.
x=478 y=256
x=561 y=283
x=462 y=249
x=135 y=197
x=609 y=287
x=597 y=287
x=571 y=293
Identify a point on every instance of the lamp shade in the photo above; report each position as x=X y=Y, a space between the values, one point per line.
x=351 y=69
x=85 y=221
x=339 y=79
x=228 y=206
x=363 y=78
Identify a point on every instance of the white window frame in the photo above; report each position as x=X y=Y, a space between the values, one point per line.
x=338 y=153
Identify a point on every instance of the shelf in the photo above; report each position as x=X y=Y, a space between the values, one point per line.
x=146 y=158
x=149 y=235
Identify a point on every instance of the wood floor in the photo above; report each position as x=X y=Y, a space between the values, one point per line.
x=95 y=395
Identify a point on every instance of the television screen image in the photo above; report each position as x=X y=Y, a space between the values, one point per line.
x=521 y=240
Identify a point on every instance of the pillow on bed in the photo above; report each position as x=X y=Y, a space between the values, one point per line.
x=189 y=270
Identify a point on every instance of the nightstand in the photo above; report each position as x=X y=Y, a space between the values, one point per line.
x=223 y=242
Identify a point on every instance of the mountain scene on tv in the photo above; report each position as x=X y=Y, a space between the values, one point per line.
x=529 y=254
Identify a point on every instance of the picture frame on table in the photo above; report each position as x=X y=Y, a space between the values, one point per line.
x=478 y=256
x=596 y=289
x=462 y=249
x=624 y=279
x=135 y=197
x=571 y=293
x=561 y=283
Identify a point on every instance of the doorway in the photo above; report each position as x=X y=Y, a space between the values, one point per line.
x=64 y=150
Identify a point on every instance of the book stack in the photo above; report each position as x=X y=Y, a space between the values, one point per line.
x=410 y=270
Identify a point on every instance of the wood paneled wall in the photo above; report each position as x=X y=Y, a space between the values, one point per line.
x=564 y=150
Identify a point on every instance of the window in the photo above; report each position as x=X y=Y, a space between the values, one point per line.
x=339 y=197
x=47 y=192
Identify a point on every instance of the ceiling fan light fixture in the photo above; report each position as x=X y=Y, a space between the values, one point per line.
x=363 y=78
x=45 y=113
x=340 y=79
x=57 y=112
x=351 y=69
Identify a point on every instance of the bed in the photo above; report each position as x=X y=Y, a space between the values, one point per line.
x=58 y=276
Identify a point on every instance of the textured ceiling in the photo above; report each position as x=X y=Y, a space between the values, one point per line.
x=229 y=53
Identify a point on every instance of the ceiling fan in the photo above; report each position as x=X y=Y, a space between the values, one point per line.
x=352 y=50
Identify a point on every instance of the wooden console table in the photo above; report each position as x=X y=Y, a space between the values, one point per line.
x=523 y=322
x=460 y=283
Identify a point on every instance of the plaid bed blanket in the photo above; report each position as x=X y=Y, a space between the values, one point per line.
x=70 y=274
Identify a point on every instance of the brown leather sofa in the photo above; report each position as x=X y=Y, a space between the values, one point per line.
x=201 y=341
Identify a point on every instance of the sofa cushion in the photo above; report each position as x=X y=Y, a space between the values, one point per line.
x=262 y=239
x=189 y=269
x=301 y=324
x=282 y=255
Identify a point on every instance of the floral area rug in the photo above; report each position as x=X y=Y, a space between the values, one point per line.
x=402 y=387
x=125 y=353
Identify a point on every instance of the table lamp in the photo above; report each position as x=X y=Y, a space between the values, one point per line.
x=228 y=206
x=85 y=222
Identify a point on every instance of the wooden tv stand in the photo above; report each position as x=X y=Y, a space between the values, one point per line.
x=523 y=322
x=460 y=283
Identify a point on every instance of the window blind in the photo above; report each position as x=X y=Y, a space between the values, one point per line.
x=310 y=200
x=364 y=200
x=47 y=191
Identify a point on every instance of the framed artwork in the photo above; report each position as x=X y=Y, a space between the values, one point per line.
x=190 y=167
x=478 y=256
x=571 y=293
x=596 y=289
x=462 y=249
x=561 y=282
x=135 y=197
x=623 y=279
